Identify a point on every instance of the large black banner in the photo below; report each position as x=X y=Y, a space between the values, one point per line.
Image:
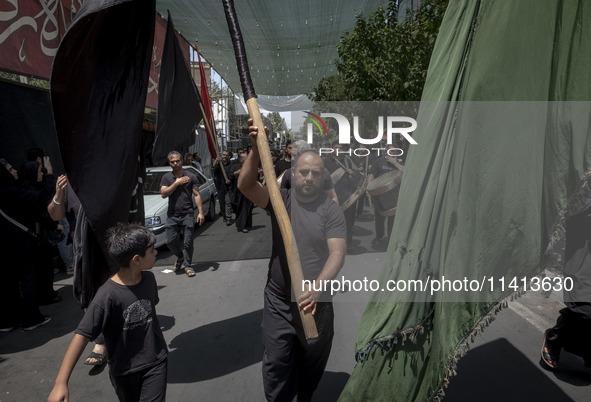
x=179 y=110
x=99 y=83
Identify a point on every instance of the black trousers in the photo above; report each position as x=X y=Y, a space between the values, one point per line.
x=292 y=368
x=350 y=222
x=573 y=331
x=380 y=222
x=147 y=385
x=573 y=326
x=244 y=208
x=18 y=288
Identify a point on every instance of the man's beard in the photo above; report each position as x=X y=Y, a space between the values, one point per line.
x=306 y=190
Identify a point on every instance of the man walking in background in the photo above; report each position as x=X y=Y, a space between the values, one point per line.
x=179 y=186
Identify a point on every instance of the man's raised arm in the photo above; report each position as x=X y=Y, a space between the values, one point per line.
x=247 y=181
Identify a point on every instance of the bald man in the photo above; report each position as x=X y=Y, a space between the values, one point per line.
x=292 y=368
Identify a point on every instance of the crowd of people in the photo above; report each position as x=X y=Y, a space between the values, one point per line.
x=324 y=196
x=34 y=205
x=31 y=239
x=346 y=178
x=225 y=175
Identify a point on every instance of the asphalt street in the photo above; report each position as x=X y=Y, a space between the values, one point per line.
x=212 y=326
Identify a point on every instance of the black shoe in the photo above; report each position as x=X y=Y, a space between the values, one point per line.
x=377 y=240
x=43 y=321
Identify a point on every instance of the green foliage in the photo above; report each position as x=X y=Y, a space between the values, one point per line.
x=383 y=60
x=237 y=121
x=277 y=122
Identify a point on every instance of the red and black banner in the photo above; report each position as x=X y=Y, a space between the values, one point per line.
x=212 y=136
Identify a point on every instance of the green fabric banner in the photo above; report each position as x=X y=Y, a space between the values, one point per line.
x=504 y=139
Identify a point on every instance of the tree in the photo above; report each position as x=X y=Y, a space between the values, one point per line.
x=382 y=59
x=277 y=122
x=238 y=126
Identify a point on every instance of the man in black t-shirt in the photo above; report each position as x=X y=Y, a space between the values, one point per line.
x=224 y=184
x=346 y=185
x=384 y=164
x=243 y=205
x=283 y=164
x=179 y=186
x=292 y=367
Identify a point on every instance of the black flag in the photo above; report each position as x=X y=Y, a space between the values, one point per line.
x=179 y=110
x=99 y=84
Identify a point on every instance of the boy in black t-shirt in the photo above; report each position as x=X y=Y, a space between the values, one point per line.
x=124 y=311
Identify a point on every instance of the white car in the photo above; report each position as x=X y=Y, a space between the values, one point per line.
x=156 y=206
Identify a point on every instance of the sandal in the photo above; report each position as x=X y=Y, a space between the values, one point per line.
x=100 y=359
x=178 y=264
x=190 y=272
x=549 y=357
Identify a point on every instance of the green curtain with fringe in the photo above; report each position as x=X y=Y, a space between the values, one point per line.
x=503 y=143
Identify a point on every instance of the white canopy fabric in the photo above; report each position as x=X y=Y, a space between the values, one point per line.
x=290 y=44
x=269 y=103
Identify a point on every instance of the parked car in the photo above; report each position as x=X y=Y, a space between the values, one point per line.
x=156 y=206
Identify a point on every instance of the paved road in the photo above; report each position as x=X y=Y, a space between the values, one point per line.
x=211 y=323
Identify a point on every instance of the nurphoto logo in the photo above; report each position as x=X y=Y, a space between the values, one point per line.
x=394 y=125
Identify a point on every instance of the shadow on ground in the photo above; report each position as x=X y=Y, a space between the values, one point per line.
x=330 y=386
x=498 y=371
x=216 y=349
x=65 y=317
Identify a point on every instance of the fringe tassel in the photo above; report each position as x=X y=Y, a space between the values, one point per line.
x=463 y=347
x=389 y=342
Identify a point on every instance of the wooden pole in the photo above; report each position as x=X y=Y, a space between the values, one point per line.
x=291 y=250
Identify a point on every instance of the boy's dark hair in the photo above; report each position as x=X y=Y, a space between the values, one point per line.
x=125 y=240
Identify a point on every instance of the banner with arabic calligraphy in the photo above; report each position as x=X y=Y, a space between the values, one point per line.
x=31 y=31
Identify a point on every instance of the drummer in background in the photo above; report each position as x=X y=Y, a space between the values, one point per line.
x=364 y=164
x=383 y=164
x=340 y=159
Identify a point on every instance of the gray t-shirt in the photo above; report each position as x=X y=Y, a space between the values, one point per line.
x=126 y=315
x=180 y=202
x=313 y=224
